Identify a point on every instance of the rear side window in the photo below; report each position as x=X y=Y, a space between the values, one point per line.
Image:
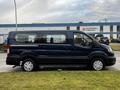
x=51 y=39
x=25 y=38
x=41 y=38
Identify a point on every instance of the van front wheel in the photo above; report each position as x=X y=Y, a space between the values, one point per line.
x=98 y=64
x=28 y=65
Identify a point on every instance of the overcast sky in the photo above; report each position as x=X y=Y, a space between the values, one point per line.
x=46 y=11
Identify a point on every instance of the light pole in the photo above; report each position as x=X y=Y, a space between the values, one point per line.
x=15 y=14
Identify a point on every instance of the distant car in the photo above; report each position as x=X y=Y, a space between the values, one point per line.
x=118 y=40
x=105 y=40
x=30 y=49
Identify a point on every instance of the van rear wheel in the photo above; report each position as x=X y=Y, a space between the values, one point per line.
x=98 y=64
x=28 y=65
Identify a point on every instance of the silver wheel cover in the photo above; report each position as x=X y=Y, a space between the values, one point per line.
x=98 y=65
x=28 y=66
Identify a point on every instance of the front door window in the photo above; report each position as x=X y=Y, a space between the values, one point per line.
x=82 y=40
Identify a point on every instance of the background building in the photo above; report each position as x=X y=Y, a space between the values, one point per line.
x=111 y=29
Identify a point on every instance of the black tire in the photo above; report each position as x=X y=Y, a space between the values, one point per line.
x=97 y=64
x=28 y=65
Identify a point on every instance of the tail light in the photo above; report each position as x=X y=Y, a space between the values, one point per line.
x=8 y=48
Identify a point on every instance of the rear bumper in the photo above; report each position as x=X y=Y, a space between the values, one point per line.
x=13 y=60
x=111 y=61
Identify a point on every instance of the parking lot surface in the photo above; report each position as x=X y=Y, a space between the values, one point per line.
x=7 y=68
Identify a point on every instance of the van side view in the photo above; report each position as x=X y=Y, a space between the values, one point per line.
x=30 y=49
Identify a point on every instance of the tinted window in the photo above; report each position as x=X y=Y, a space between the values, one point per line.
x=41 y=38
x=82 y=40
x=51 y=38
x=25 y=38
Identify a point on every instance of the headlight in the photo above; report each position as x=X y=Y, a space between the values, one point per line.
x=109 y=49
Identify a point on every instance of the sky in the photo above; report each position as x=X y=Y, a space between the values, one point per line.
x=49 y=11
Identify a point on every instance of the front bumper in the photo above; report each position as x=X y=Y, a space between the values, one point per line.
x=111 y=61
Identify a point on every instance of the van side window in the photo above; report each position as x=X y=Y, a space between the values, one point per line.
x=25 y=38
x=51 y=39
x=40 y=38
x=82 y=40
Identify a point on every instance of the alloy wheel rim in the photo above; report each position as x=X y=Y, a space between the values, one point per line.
x=98 y=65
x=28 y=66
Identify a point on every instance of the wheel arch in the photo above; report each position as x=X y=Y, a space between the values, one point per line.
x=27 y=54
x=98 y=54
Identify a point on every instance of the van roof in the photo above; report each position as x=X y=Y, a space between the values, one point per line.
x=46 y=31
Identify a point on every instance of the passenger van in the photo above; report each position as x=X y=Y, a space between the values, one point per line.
x=32 y=49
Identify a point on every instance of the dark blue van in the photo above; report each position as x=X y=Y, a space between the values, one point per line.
x=30 y=49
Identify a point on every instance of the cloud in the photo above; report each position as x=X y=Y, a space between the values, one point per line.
x=39 y=11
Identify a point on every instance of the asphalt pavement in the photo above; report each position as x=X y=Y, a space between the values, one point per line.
x=8 y=68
